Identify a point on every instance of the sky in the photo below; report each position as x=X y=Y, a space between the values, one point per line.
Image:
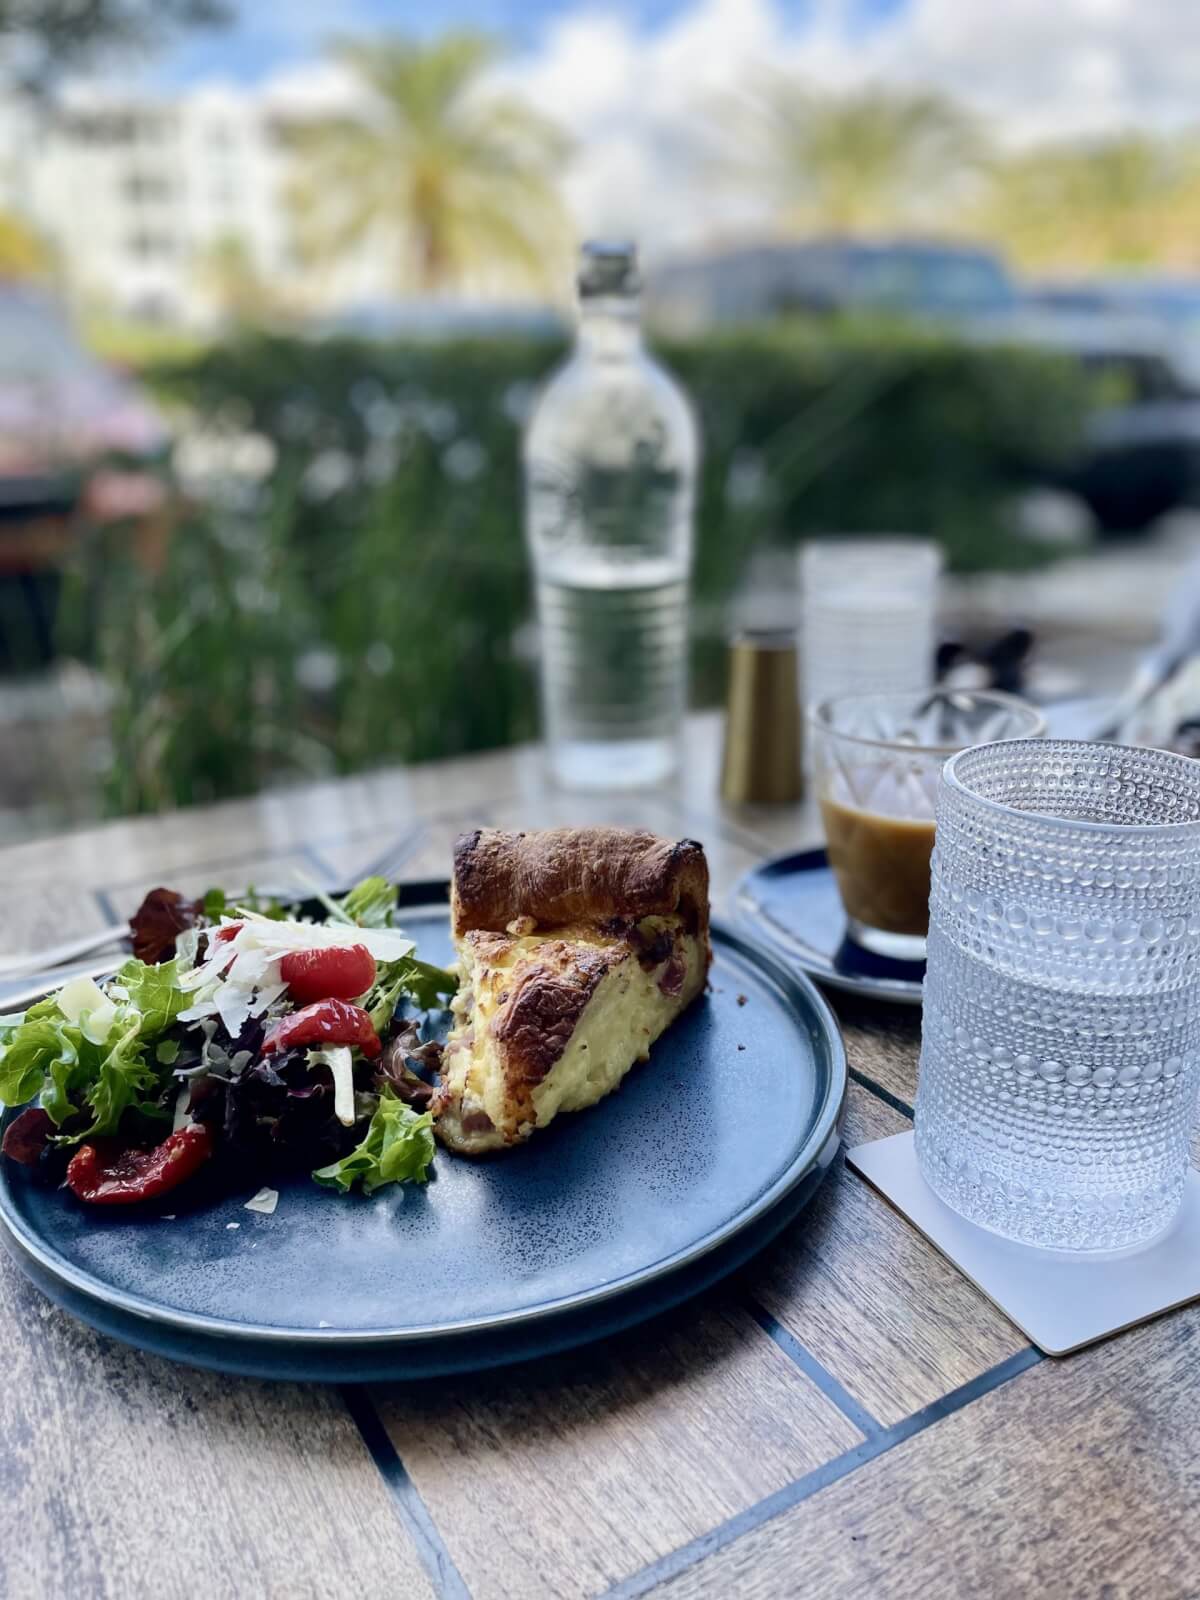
x=267 y=37
x=634 y=81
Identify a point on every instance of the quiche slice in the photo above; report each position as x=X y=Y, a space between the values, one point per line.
x=577 y=947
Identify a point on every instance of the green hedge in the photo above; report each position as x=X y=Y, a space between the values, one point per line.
x=348 y=588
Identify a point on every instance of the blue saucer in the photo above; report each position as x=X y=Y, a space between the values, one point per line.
x=792 y=904
x=608 y=1217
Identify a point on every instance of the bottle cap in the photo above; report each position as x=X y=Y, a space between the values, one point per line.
x=608 y=266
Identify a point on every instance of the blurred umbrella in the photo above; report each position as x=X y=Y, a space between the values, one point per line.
x=455 y=176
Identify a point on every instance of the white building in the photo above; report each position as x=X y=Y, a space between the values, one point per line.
x=137 y=193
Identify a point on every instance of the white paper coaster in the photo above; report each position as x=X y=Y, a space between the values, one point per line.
x=1061 y=1300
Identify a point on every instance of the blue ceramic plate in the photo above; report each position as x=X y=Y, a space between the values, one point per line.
x=606 y=1218
x=792 y=903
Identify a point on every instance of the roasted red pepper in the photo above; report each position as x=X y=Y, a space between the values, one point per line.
x=328 y=1022
x=107 y=1174
x=339 y=974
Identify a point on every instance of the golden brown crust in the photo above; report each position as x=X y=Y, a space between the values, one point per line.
x=543 y=922
x=546 y=1003
x=575 y=875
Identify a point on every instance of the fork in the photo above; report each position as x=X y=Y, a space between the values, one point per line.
x=29 y=962
x=50 y=981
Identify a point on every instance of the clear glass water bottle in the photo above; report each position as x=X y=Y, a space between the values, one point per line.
x=610 y=469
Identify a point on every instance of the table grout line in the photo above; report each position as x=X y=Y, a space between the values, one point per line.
x=880 y=1093
x=447 y=1582
x=813 y=1369
x=803 y=1488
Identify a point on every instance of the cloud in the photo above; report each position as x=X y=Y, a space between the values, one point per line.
x=637 y=105
x=1047 y=67
x=638 y=102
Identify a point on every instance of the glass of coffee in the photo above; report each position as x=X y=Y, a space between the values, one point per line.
x=877 y=761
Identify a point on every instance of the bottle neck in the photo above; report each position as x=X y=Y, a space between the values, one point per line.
x=609 y=328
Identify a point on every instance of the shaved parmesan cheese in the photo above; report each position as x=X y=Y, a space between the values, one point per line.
x=186 y=946
x=264 y=1202
x=83 y=1002
x=341 y=1063
x=97 y=1025
x=78 y=996
x=385 y=944
x=239 y=976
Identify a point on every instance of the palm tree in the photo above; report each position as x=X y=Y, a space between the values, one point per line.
x=450 y=175
x=1119 y=201
x=851 y=160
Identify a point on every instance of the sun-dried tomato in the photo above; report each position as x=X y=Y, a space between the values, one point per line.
x=106 y=1173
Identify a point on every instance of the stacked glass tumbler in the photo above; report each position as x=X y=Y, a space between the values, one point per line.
x=1059 y=1053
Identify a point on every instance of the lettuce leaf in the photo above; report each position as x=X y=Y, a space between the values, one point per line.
x=124 y=1078
x=67 y=1079
x=425 y=985
x=154 y=993
x=49 y=1054
x=28 y=1054
x=398 y=1147
x=371 y=903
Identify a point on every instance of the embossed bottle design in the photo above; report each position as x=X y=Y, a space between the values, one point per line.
x=610 y=464
x=1061 y=1028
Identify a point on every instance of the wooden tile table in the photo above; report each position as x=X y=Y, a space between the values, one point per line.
x=849 y=1417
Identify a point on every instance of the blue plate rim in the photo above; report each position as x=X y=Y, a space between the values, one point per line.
x=753 y=921
x=823 y=1024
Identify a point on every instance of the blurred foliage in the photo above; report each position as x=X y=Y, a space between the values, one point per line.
x=850 y=159
x=231 y=281
x=1126 y=200
x=43 y=40
x=863 y=159
x=347 y=583
x=136 y=343
x=457 y=178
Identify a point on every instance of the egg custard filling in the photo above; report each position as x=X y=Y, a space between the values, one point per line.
x=552 y=1018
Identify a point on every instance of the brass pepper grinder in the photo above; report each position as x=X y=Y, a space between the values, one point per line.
x=761 y=764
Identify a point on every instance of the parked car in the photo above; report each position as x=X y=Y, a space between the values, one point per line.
x=912 y=277
x=1141 y=456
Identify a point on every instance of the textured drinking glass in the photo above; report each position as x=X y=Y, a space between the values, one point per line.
x=1062 y=1013
x=877 y=760
x=868 y=610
